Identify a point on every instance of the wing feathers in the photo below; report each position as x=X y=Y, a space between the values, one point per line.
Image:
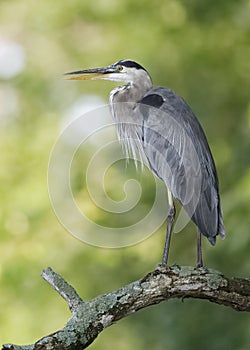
x=178 y=152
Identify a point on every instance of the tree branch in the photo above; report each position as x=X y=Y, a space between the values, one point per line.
x=90 y=318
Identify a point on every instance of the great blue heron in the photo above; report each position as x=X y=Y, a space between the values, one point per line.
x=157 y=123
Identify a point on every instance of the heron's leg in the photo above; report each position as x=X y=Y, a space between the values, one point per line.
x=199 y=250
x=171 y=215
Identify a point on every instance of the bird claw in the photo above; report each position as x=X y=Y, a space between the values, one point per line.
x=167 y=268
x=202 y=269
x=163 y=267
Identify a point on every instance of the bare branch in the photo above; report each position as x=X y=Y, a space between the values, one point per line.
x=66 y=291
x=90 y=318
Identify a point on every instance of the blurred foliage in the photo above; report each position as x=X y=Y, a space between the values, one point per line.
x=198 y=48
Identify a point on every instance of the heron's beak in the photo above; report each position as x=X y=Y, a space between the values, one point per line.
x=87 y=74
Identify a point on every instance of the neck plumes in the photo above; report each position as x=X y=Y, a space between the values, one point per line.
x=124 y=102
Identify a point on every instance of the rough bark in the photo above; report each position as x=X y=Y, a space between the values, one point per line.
x=90 y=318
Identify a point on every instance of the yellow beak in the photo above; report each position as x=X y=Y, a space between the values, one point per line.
x=87 y=74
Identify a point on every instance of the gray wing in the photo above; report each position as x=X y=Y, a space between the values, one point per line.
x=178 y=152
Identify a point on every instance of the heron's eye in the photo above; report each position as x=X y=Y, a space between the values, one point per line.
x=120 y=68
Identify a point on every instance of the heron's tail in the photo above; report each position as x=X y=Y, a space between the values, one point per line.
x=221 y=228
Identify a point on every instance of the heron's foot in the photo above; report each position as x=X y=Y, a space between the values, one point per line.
x=176 y=266
x=201 y=269
x=162 y=267
x=199 y=265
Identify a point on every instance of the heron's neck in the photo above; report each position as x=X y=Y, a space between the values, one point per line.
x=124 y=98
x=132 y=92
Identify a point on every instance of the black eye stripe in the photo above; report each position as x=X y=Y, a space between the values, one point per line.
x=130 y=64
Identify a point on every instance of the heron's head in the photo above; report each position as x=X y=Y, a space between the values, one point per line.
x=126 y=71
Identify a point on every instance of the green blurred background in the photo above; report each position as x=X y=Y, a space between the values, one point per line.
x=198 y=48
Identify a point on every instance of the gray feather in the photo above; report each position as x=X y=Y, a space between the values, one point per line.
x=181 y=157
x=159 y=126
